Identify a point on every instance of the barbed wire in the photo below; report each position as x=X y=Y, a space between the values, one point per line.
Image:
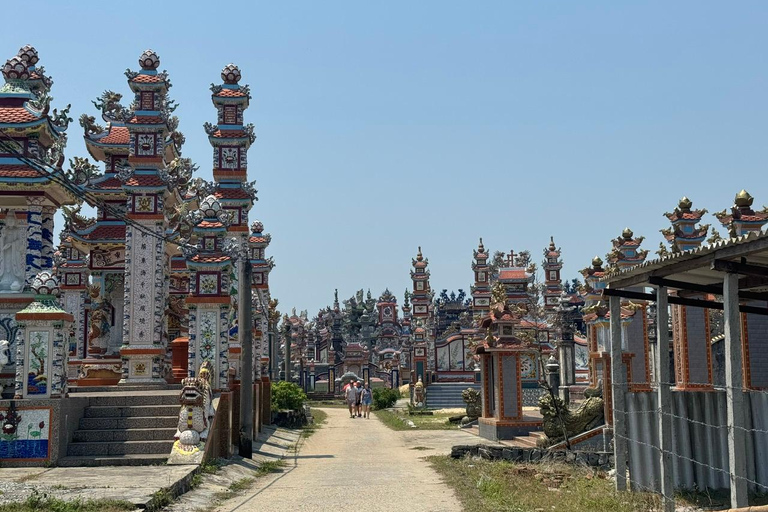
x=689 y=459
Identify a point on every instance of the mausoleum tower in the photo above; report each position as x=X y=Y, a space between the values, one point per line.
x=691 y=326
x=421 y=300
x=388 y=331
x=231 y=139
x=209 y=299
x=96 y=358
x=626 y=253
x=32 y=142
x=685 y=234
x=406 y=321
x=552 y=281
x=595 y=314
x=154 y=181
x=258 y=241
x=516 y=278
x=481 y=290
x=742 y=218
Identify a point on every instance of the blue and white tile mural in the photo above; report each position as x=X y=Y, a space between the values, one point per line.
x=25 y=433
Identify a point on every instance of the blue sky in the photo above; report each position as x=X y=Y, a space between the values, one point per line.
x=384 y=126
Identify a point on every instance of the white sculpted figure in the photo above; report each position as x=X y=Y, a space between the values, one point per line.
x=5 y=356
x=196 y=412
x=12 y=253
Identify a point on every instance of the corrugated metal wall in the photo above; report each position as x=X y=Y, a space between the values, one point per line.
x=700 y=441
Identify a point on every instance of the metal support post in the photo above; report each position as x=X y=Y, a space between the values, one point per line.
x=664 y=396
x=737 y=459
x=618 y=387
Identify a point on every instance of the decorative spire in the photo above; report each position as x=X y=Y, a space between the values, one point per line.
x=742 y=218
x=626 y=250
x=684 y=234
x=743 y=199
x=230 y=74
x=149 y=61
x=419 y=256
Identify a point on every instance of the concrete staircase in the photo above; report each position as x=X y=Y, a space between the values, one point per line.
x=446 y=395
x=125 y=429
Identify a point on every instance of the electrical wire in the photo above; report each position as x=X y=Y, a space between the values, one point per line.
x=92 y=199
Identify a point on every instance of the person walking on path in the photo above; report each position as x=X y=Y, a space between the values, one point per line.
x=366 y=398
x=358 y=404
x=351 y=396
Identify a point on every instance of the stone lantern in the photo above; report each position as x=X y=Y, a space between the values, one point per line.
x=41 y=352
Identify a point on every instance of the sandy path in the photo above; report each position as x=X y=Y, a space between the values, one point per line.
x=351 y=464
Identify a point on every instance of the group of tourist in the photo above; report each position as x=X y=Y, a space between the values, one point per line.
x=359 y=399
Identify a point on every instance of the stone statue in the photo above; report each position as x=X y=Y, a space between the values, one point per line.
x=196 y=412
x=5 y=356
x=418 y=394
x=98 y=331
x=472 y=398
x=588 y=415
x=12 y=252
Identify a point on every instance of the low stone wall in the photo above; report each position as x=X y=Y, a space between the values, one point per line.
x=601 y=460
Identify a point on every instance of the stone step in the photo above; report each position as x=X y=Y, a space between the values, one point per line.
x=120 y=448
x=125 y=460
x=134 y=434
x=134 y=400
x=108 y=423
x=108 y=411
x=119 y=388
x=525 y=441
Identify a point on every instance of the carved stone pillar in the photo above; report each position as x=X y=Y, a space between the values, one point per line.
x=145 y=293
x=34 y=257
x=47 y=237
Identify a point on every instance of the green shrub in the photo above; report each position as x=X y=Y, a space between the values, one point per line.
x=384 y=398
x=287 y=395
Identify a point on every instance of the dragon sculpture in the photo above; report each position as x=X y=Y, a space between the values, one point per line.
x=109 y=104
x=81 y=170
x=73 y=221
x=90 y=126
x=588 y=415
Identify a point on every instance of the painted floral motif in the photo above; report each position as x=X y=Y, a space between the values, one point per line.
x=209 y=284
x=25 y=433
x=37 y=378
x=442 y=358
x=208 y=334
x=457 y=355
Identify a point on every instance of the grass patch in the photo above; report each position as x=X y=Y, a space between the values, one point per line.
x=395 y=421
x=271 y=466
x=421 y=448
x=329 y=404
x=160 y=499
x=485 y=486
x=318 y=420
x=39 y=502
